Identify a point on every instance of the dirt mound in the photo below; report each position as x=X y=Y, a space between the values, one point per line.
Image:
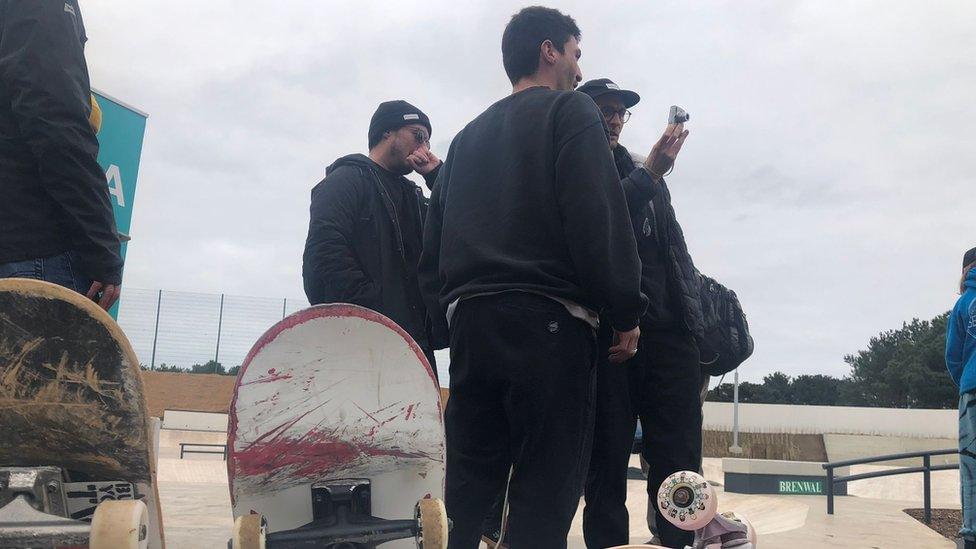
x=191 y=392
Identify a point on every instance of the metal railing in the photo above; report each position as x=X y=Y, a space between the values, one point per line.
x=222 y=451
x=926 y=470
x=184 y=329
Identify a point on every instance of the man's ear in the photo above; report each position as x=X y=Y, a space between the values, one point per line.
x=548 y=52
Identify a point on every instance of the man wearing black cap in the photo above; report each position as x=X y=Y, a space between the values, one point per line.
x=661 y=384
x=366 y=224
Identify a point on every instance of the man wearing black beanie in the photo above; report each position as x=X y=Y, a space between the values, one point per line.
x=366 y=225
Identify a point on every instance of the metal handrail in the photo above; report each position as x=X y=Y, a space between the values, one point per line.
x=926 y=470
x=183 y=449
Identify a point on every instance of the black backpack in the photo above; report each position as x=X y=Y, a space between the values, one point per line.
x=727 y=342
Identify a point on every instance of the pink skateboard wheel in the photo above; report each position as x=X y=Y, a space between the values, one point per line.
x=687 y=500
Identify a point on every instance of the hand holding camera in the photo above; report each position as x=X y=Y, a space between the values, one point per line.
x=661 y=158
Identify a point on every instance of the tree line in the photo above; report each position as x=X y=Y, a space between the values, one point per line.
x=210 y=367
x=902 y=368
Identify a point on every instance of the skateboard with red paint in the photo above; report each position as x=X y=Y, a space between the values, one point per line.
x=336 y=437
x=689 y=502
x=76 y=461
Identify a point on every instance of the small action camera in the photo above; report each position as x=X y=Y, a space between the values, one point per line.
x=678 y=115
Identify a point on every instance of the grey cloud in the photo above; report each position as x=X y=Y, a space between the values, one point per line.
x=827 y=178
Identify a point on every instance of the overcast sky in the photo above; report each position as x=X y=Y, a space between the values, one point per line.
x=828 y=177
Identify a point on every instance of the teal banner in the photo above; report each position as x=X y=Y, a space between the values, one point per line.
x=119 y=150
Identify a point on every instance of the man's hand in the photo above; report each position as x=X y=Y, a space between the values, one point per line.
x=662 y=156
x=625 y=345
x=110 y=294
x=423 y=161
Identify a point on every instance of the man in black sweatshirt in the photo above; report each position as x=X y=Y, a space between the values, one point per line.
x=366 y=225
x=662 y=383
x=527 y=239
x=56 y=221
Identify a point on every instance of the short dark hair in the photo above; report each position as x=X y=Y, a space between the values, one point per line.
x=374 y=140
x=527 y=30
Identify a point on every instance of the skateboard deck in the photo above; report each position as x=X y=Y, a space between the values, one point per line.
x=71 y=397
x=329 y=393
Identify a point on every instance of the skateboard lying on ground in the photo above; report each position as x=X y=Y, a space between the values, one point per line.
x=689 y=502
x=76 y=462
x=335 y=433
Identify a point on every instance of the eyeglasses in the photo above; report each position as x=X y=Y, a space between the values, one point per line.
x=609 y=113
x=421 y=138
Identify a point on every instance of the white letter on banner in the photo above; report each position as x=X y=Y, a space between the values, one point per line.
x=113 y=175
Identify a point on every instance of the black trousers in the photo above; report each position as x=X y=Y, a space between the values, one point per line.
x=522 y=380
x=660 y=385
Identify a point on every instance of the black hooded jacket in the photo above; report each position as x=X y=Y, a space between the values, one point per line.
x=355 y=251
x=668 y=274
x=53 y=196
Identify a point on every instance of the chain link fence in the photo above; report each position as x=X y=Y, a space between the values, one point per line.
x=186 y=329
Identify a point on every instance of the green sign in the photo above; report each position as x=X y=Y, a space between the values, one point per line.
x=119 y=150
x=801 y=487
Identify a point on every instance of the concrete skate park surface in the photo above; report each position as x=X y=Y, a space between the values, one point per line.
x=197 y=513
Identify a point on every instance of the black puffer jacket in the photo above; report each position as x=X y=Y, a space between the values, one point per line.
x=354 y=251
x=649 y=202
x=53 y=196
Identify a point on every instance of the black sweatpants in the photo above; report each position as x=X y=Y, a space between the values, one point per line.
x=660 y=385
x=522 y=373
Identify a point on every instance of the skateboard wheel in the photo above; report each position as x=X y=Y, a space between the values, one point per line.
x=432 y=518
x=120 y=524
x=249 y=532
x=687 y=500
x=750 y=529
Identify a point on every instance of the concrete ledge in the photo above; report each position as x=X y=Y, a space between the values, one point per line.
x=843 y=447
x=778 y=467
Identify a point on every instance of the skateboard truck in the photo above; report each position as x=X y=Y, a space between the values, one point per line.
x=343 y=519
x=34 y=509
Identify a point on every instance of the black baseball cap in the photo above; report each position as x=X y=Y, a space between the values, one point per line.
x=604 y=86
x=969 y=257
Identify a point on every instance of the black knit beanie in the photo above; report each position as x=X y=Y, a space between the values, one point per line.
x=391 y=115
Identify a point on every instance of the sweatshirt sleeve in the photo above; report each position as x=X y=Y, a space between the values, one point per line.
x=42 y=64
x=431 y=177
x=955 y=338
x=595 y=215
x=639 y=186
x=428 y=271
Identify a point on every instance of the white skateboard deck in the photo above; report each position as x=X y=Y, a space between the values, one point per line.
x=334 y=392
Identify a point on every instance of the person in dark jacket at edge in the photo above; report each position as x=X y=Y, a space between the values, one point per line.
x=526 y=239
x=56 y=221
x=661 y=384
x=366 y=225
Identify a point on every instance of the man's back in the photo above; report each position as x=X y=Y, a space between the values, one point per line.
x=529 y=200
x=53 y=196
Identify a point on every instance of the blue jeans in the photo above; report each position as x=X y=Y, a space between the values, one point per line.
x=967 y=463
x=61 y=269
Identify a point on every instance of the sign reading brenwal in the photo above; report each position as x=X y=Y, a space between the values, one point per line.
x=801 y=487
